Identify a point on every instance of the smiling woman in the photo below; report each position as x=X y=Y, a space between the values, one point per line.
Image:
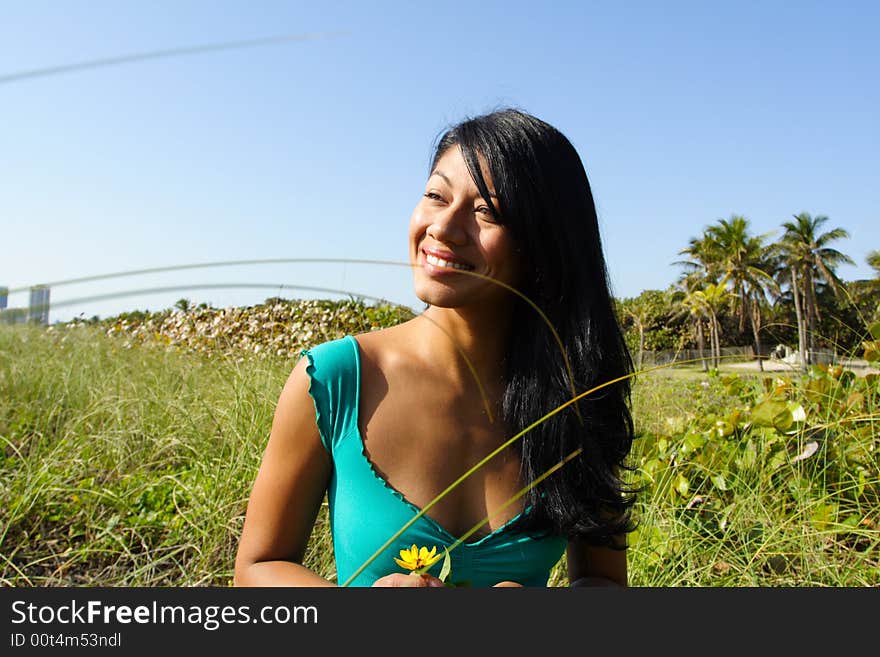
x=454 y=229
x=440 y=432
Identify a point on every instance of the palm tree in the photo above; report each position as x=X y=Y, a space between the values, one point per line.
x=640 y=315
x=714 y=298
x=873 y=260
x=703 y=264
x=705 y=305
x=745 y=260
x=693 y=305
x=809 y=261
x=726 y=248
x=701 y=289
x=648 y=310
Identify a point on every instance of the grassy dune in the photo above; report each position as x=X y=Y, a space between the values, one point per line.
x=129 y=463
x=126 y=466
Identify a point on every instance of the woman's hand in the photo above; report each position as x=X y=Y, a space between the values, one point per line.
x=412 y=580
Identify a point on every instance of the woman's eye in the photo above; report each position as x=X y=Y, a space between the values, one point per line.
x=434 y=196
x=486 y=213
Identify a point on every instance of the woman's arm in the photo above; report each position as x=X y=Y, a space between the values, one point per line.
x=286 y=495
x=595 y=566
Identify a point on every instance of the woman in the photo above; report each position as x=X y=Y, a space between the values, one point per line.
x=385 y=421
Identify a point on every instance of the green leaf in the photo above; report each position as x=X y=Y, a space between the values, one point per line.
x=662 y=446
x=446 y=568
x=650 y=469
x=875 y=330
x=724 y=428
x=783 y=420
x=778 y=460
x=694 y=441
x=719 y=482
x=766 y=412
x=682 y=485
x=872 y=351
x=817 y=390
x=823 y=515
x=849 y=523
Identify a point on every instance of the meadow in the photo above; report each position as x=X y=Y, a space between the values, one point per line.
x=129 y=451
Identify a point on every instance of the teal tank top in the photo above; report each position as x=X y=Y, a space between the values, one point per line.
x=365 y=511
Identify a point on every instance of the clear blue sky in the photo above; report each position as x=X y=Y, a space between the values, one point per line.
x=683 y=113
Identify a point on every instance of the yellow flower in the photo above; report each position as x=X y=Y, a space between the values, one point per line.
x=416 y=558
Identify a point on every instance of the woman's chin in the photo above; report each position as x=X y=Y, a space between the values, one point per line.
x=457 y=293
x=437 y=300
x=440 y=297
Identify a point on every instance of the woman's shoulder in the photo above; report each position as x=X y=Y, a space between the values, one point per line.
x=331 y=355
x=349 y=354
x=385 y=348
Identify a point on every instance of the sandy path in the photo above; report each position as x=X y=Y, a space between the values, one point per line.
x=860 y=367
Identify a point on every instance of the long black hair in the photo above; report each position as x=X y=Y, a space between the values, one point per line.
x=546 y=202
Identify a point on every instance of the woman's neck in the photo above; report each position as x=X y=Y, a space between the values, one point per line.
x=458 y=340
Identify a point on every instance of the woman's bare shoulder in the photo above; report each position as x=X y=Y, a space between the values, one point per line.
x=388 y=347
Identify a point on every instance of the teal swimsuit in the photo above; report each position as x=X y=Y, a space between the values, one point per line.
x=365 y=511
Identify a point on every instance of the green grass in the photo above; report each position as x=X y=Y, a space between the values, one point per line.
x=127 y=466
x=130 y=465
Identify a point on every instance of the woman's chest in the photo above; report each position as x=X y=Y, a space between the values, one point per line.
x=422 y=452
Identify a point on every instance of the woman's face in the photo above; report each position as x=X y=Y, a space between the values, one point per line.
x=451 y=231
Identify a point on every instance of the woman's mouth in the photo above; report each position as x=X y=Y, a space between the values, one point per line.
x=446 y=264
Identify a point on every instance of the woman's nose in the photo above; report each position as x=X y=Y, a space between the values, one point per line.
x=448 y=226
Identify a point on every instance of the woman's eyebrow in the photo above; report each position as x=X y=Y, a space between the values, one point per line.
x=437 y=172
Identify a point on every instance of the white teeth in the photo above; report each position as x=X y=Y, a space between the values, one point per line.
x=439 y=262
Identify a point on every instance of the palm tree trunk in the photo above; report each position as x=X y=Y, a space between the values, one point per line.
x=755 y=316
x=701 y=345
x=812 y=317
x=799 y=314
x=716 y=341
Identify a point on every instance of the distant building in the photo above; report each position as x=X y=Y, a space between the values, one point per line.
x=38 y=309
x=10 y=315
x=13 y=315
